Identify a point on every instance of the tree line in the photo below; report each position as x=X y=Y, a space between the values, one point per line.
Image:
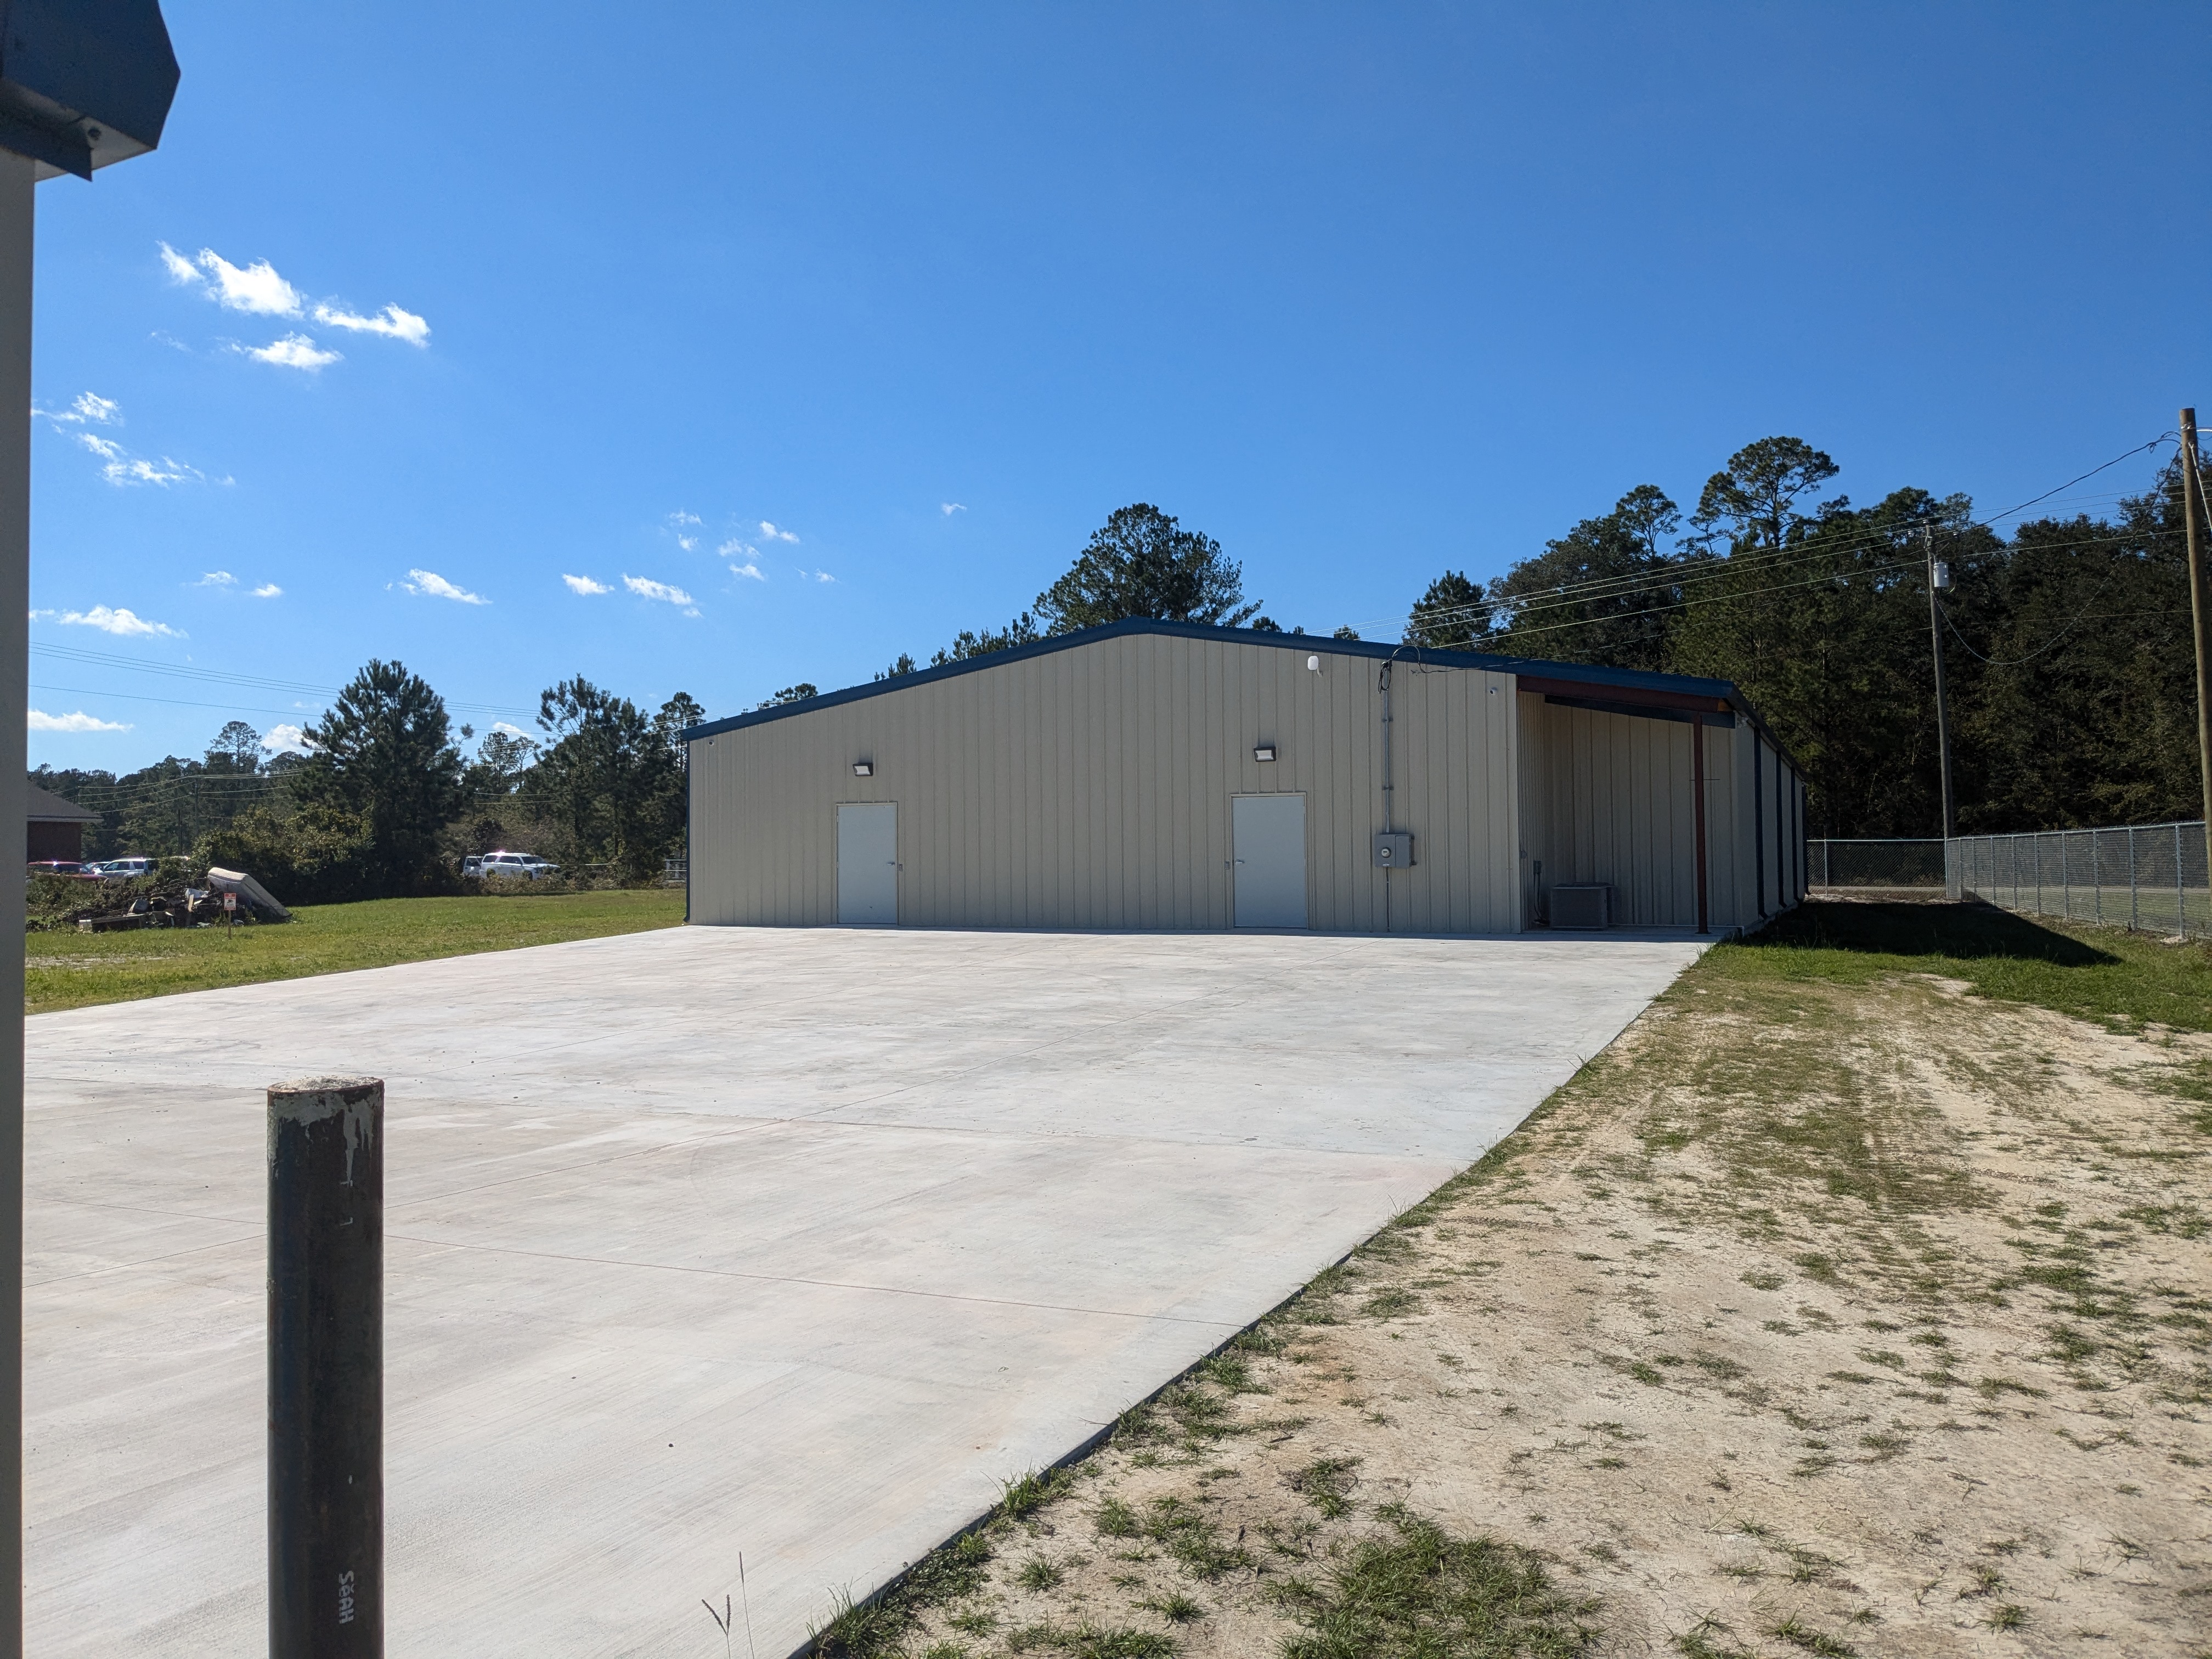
x=2068 y=647
x=383 y=804
x=2067 y=639
x=1140 y=562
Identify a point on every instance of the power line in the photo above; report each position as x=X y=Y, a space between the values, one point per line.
x=1701 y=569
x=1685 y=573
x=1729 y=566
x=256 y=682
x=174 y=702
x=1780 y=587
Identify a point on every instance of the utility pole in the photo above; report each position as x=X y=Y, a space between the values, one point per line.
x=1939 y=576
x=2200 y=613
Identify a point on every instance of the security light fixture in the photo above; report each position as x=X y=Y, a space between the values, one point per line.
x=1313 y=663
x=1264 y=751
x=864 y=769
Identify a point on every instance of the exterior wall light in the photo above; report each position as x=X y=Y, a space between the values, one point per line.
x=1313 y=663
x=864 y=769
x=1265 y=751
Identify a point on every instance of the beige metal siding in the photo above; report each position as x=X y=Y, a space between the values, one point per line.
x=1611 y=797
x=1608 y=797
x=1089 y=787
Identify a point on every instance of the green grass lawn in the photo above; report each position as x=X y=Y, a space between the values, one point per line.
x=2105 y=974
x=74 y=970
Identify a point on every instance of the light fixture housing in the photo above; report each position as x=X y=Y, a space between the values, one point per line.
x=864 y=769
x=1313 y=664
x=1263 y=751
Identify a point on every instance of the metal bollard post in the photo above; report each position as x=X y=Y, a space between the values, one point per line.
x=326 y=1368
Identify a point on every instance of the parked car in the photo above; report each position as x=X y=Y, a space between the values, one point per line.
x=69 y=867
x=129 y=868
x=515 y=866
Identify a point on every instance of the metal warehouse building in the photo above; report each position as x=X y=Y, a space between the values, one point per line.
x=1155 y=774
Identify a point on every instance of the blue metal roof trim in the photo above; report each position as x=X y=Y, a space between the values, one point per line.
x=1375 y=650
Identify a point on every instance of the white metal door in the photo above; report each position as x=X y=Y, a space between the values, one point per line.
x=1269 y=837
x=867 y=864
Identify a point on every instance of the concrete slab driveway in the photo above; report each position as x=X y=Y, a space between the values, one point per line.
x=710 y=1240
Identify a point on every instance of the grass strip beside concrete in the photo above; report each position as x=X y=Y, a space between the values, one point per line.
x=76 y=970
x=1852 y=1304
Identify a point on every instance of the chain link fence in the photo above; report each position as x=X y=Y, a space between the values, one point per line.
x=2150 y=878
x=1915 y=866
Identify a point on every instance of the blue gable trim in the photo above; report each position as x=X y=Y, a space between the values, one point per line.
x=1375 y=650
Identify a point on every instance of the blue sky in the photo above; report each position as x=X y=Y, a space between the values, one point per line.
x=815 y=334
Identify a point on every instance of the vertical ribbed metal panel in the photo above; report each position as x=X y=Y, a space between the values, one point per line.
x=1090 y=787
x=1611 y=797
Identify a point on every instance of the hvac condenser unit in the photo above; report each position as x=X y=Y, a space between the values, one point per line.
x=1583 y=905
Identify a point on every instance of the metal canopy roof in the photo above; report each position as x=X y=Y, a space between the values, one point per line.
x=1626 y=688
x=82 y=85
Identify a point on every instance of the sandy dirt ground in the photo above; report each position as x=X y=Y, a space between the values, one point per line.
x=1805 y=1320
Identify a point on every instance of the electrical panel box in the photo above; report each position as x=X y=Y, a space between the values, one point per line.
x=1393 y=850
x=1583 y=904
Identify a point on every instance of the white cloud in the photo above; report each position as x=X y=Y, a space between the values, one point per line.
x=284 y=736
x=511 y=731
x=258 y=291
x=775 y=535
x=292 y=351
x=80 y=721
x=268 y=591
x=133 y=471
x=581 y=585
x=120 y=621
x=823 y=577
x=645 y=588
x=686 y=543
x=217 y=578
x=748 y=568
x=85 y=407
x=431 y=585
x=119 y=466
x=392 y=322
x=256 y=288
x=948 y=509
x=731 y=548
x=681 y=517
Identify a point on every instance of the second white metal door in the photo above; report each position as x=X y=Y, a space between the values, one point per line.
x=867 y=864
x=1268 y=841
